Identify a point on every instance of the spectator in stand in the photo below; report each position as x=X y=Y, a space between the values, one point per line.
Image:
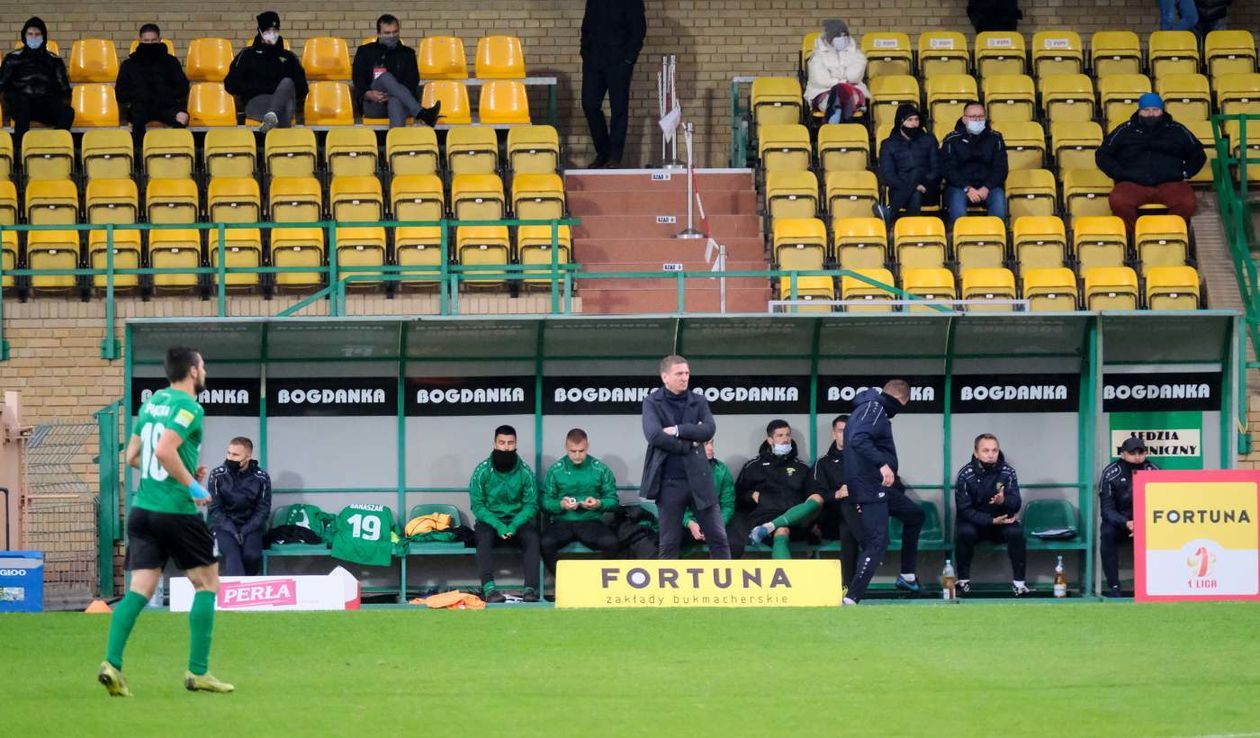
x=387 y=79
x=240 y=506
x=267 y=77
x=612 y=37
x=1115 y=493
x=994 y=15
x=908 y=165
x=973 y=163
x=34 y=84
x=987 y=499
x=1178 y=15
x=151 y=83
x=1211 y=16
x=836 y=69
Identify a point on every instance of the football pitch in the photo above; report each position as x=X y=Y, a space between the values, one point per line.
x=976 y=669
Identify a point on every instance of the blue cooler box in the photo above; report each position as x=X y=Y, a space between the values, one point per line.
x=21 y=581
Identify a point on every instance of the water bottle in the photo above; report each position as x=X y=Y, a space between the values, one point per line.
x=1060 y=579
x=948 y=580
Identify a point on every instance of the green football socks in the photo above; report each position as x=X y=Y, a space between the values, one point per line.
x=120 y=625
x=201 y=627
x=801 y=513
x=779 y=550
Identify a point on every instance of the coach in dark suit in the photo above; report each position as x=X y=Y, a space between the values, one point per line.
x=676 y=472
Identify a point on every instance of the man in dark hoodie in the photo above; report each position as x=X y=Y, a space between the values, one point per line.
x=1115 y=493
x=503 y=496
x=152 y=85
x=781 y=489
x=387 y=79
x=973 y=163
x=240 y=506
x=1150 y=157
x=908 y=165
x=267 y=77
x=986 y=498
x=839 y=519
x=612 y=37
x=34 y=84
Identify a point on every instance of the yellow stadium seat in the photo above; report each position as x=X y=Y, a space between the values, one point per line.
x=860 y=243
x=6 y=155
x=477 y=197
x=210 y=105
x=776 y=100
x=1030 y=192
x=919 y=242
x=799 y=243
x=114 y=201
x=8 y=258
x=298 y=247
x=361 y=251
x=93 y=60
x=174 y=249
x=980 y=241
x=1173 y=52
x=233 y=200
x=456 y=110
x=533 y=246
x=127 y=251
x=412 y=150
x=290 y=152
x=503 y=102
x=1115 y=52
x=1237 y=93
x=1010 y=98
x=350 y=151
x=172 y=201
x=442 y=57
x=988 y=284
x=1230 y=52
x=295 y=200
x=1111 y=288
x=851 y=194
x=94 y=105
x=417 y=197
x=1074 y=144
x=868 y=298
x=1186 y=97
x=329 y=104
x=947 y=93
x=168 y=153
x=47 y=153
x=208 y=59
x=356 y=199
x=1050 y=290
x=107 y=153
x=809 y=289
x=1067 y=97
x=533 y=149
x=807 y=47
x=887 y=53
x=1172 y=288
x=472 y=150
x=1000 y=52
x=230 y=152
x=52 y=202
x=791 y=194
x=52 y=250
x=943 y=52
x=887 y=93
x=418 y=246
x=1118 y=95
x=482 y=246
x=500 y=57
x=538 y=196
x=1099 y=241
x=1233 y=132
x=242 y=249
x=783 y=147
x=1057 y=52
x=9 y=206
x=935 y=286
x=1039 y=241
x=1161 y=240
x=326 y=58
x=1086 y=192
x=1202 y=130
x=1025 y=144
x=843 y=147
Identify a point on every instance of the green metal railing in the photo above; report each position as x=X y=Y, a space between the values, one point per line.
x=109 y=477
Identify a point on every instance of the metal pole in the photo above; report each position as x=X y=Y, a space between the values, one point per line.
x=722 y=279
x=690 y=232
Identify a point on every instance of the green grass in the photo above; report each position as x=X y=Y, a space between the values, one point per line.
x=1061 y=669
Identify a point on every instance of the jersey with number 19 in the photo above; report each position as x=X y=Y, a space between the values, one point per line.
x=167 y=411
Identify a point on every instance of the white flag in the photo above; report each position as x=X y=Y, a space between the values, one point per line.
x=669 y=122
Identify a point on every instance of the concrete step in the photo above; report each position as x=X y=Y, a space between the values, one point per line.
x=587 y=180
x=658 y=296
x=592 y=252
x=647 y=201
x=723 y=227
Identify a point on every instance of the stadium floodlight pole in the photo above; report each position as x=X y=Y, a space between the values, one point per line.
x=690 y=231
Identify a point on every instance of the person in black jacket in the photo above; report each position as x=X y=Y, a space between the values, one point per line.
x=152 y=85
x=839 y=519
x=781 y=489
x=1211 y=16
x=994 y=15
x=387 y=79
x=1115 y=494
x=986 y=498
x=267 y=77
x=240 y=506
x=34 y=84
x=908 y=165
x=612 y=36
x=973 y=163
x=1150 y=157
x=676 y=471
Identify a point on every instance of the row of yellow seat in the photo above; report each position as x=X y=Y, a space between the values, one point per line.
x=323 y=58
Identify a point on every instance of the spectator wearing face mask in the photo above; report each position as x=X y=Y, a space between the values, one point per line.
x=267 y=77
x=240 y=505
x=908 y=165
x=973 y=163
x=387 y=80
x=836 y=69
x=1150 y=157
x=151 y=83
x=34 y=84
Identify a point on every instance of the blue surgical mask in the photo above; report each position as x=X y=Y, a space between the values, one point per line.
x=841 y=43
x=782 y=449
x=975 y=127
x=34 y=43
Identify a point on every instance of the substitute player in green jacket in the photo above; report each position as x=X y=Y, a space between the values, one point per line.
x=725 y=485
x=504 y=499
x=164 y=522
x=577 y=491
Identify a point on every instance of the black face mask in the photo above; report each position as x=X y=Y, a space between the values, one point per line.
x=232 y=465
x=503 y=461
x=912 y=132
x=149 y=52
x=1150 y=122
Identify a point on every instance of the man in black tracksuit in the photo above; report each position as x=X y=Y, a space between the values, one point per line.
x=240 y=506
x=387 y=79
x=34 y=84
x=986 y=498
x=781 y=490
x=839 y=519
x=870 y=471
x=152 y=85
x=1115 y=494
x=612 y=37
x=266 y=78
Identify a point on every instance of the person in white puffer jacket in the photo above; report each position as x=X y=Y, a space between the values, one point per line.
x=836 y=69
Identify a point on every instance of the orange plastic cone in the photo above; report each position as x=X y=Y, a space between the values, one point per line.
x=97 y=606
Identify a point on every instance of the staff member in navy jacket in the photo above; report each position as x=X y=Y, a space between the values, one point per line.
x=1115 y=496
x=676 y=471
x=240 y=504
x=987 y=499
